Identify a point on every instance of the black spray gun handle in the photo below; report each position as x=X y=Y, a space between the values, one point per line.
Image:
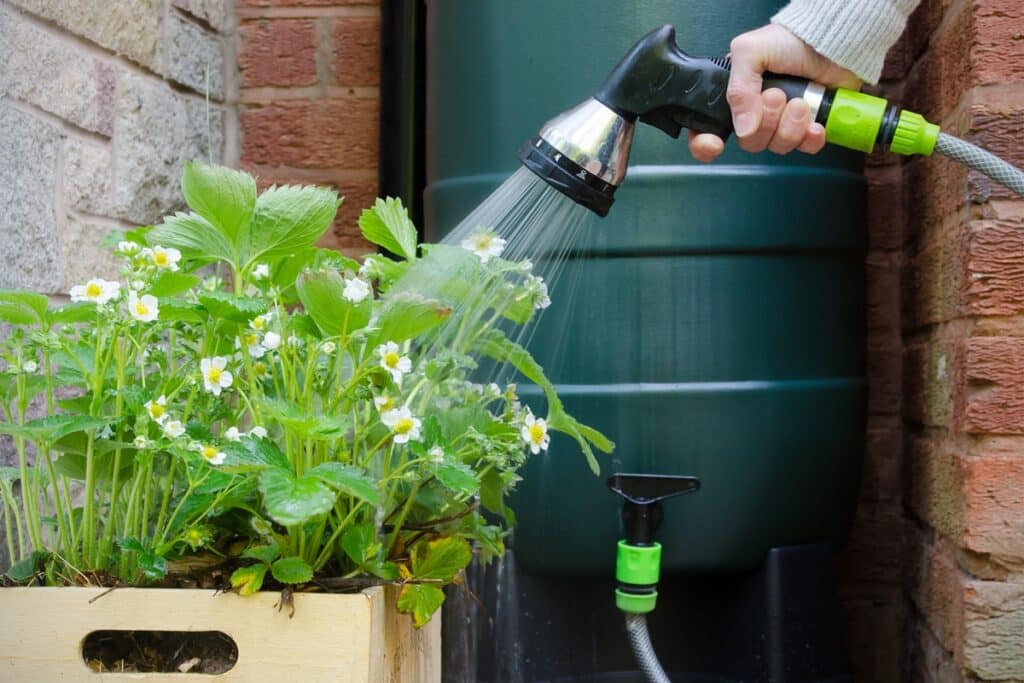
x=666 y=88
x=663 y=86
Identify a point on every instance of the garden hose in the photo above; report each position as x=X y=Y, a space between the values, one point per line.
x=640 y=641
x=584 y=152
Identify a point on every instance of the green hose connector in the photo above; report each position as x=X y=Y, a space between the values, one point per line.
x=914 y=135
x=854 y=120
x=640 y=567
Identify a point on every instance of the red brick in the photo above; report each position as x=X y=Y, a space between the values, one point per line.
x=936 y=587
x=884 y=372
x=929 y=370
x=278 y=52
x=885 y=207
x=934 y=191
x=310 y=135
x=994 y=282
x=873 y=626
x=356 y=42
x=993 y=513
x=998 y=130
x=935 y=480
x=881 y=472
x=872 y=553
x=934 y=281
x=938 y=80
x=929 y=661
x=998 y=50
x=883 y=299
x=989 y=398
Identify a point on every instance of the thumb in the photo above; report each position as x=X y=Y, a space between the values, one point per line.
x=744 y=90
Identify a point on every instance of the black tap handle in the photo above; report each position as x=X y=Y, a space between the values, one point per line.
x=643 y=493
x=666 y=88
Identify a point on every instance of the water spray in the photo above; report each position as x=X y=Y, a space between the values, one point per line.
x=584 y=152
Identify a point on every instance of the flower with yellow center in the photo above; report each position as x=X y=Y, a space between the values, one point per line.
x=174 y=429
x=403 y=425
x=392 y=361
x=251 y=342
x=210 y=453
x=259 y=323
x=485 y=244
x=97 y=291
x=215 y=377
x=157 y=409
x=535 y=433
x=164 y=259
x=384 y=403
x=145 y=309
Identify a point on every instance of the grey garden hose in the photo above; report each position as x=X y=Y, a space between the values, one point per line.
x=636 y=628
x=980 y=160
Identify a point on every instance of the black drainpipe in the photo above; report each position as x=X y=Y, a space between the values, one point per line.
x=402 y=79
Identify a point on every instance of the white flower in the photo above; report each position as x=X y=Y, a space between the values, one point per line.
x=137 y=285
x=252 y=344
x=261 y=271
x=436 y=454
x=403 y=424
x=369 y=269
x=328 y=347
x=157 y=409
x=30 y=366
x=259 y=432
x=232 y=434
x=145 y=308
x=271 y=340
x=106 y=432
x=485 y=244
x=259 y=323
x=538 y=290
x=210 y=454
x=392 y=361
x=163 y=258
x=128 y=248
x=293 y=341
x=384 y=403
x=356 y=290
x=97 y=291
x=141 y=442
x=535 y=433
x=174 y=429
x=215 y=377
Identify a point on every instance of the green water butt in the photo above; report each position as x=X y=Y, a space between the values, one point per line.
x=712 y=324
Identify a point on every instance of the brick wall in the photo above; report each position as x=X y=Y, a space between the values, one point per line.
x=941 y=520
x=100 y=104
x=310 y=100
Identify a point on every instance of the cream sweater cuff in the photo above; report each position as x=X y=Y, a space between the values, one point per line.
x=855 y=34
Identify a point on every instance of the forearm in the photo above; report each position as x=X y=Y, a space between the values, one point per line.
x=855 y=34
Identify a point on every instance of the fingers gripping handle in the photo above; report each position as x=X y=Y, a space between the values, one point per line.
x=666 y=88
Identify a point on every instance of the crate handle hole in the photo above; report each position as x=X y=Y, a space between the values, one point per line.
x=202 y=652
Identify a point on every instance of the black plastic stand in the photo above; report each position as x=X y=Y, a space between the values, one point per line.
x=778 y=624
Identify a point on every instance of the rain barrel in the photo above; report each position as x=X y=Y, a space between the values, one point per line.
x=712 y=324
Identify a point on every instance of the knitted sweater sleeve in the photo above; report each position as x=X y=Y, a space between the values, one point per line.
x=855 y=34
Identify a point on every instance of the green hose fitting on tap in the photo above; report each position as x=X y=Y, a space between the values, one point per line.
x=859 y=121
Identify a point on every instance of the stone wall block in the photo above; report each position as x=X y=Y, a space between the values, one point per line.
x=189 y=53
x=55 y=75
x=82 y=256
x=216 y=13
x=29 y=258
x=89 y=177
x=130 y=28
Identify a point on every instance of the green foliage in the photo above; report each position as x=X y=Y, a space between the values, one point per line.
x=243 y=394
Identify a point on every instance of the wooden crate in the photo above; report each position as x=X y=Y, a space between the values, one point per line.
x=338 y=638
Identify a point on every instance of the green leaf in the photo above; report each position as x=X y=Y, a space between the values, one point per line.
x=387 y=224
x=442 y=559
x=263 y=553
x=290 y=501
x=458 y=477
x=348 y=480
x=421 y=600
x=405 y=315
x=226 y=198
x=383 y=570
x=32 y=301
x=152 y=565
x=237 y=309
x=53 y=427
x=193 y=236
x=304 y=425
x=360 y=543
x=492 y=496
x=170 y=283
x=248 y=580
x=291 y=570
x=25 y=570
x=249 y=455
x=77 y=312
x=172 y=310
x=16 y=315
x=321 y=293
x=288 y=219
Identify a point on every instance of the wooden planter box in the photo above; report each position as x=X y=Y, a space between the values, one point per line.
x=332 y=637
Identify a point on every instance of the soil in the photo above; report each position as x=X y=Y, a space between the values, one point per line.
x=206 y=652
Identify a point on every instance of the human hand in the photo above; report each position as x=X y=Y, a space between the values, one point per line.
x=764 y=120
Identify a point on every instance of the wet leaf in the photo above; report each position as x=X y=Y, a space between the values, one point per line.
x=441 y=559
x=348 y=480
x=321 y=292
x=226 y=198
x=387 y=224
x=290 y=501
x=458 y=477
x=291 y=570
x=421 y=600
x=248 y=580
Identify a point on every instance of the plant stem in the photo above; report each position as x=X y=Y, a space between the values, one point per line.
x=405 y=513
x=12 y=505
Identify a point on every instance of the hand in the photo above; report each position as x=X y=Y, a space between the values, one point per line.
x=764 y=120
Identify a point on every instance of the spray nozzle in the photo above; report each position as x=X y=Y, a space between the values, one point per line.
x=638 y=563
